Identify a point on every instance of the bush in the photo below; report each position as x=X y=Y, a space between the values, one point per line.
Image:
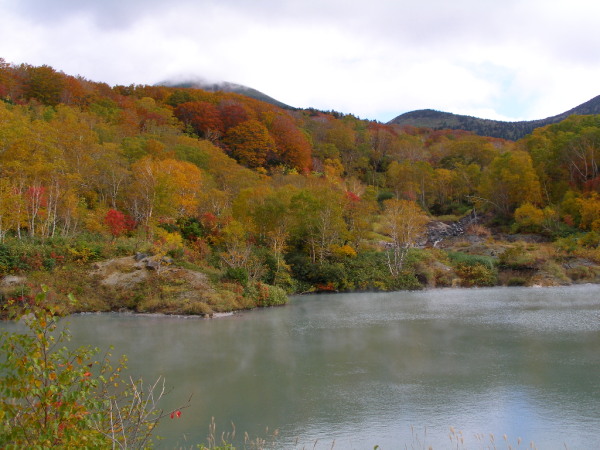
x=476 y=275
x=190 y=228
x=283 y=279
x=55 y=397
x=365 y=271
x=49 y=264
x=405 y=281
x=83 y=252
x=528 y=218
x=368 y=271
x=518 y=258
x=590 y=240
x=582 y=273
x=516 y=281
x=238 y=274
x=383 y=196
x=556 y=271
x=9 y=261
x=266 y=295
x=567 y=244
x=459 y=258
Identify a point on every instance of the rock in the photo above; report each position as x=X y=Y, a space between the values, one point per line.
x=12 y=280
x=128 y=274
x=125 y=280
x=528 y=238
x=139 y=256
x=438 y=231
x=152 y=264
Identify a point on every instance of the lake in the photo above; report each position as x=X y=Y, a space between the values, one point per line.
x=390 y=369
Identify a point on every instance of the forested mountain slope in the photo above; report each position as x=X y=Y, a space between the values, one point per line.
x=439 y=120
x=254 y=195
x=225 y=86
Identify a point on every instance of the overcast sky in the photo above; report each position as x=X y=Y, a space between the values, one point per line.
x=500 y=59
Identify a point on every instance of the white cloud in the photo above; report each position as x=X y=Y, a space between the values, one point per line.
x=513 y=59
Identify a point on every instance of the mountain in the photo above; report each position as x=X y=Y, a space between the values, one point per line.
x=225 y=86
x=439 y=120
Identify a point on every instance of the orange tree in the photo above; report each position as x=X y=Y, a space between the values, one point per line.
x=250 y=143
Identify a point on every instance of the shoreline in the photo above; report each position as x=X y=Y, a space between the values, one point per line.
x=222 y=315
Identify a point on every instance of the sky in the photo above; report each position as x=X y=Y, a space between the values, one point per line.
x=376 y=59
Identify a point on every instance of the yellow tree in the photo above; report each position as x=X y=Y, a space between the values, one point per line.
x=164 y=189
x=358 y=213
x=510 y=181
x=409 y=179
x=112 y=173
x=11 y=208
x=267 y=213
x=589 y=208
x=31 y=157
x=404 y=223
x=239 y=251
x=318 y=220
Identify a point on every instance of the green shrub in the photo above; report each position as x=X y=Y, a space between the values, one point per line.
x=590 y=240
x=266 y=295
x=49 y=264
x=9 y=261
x=443 y=278
x=518 y=258
x=556 y=270
x=516 y=281
x=366 y=271
x=283 y=279
x=581 y=273
x=460 y=258
x=55 y=397
x=318 y=275
x=238 y=274
x=383 y=196
x=476 y=275
x=405 y=281
x=190 y=228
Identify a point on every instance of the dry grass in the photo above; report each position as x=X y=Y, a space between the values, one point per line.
x=419 y=440
x=479 y=230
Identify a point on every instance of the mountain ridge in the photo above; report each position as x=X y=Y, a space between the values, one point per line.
x=225 y=86
x=437 y=120
x=422 y=118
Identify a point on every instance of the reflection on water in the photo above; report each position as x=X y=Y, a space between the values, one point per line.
x=361 y=369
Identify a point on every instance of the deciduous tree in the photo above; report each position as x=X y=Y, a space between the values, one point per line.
x=293 y=148
x=250 y=143
x=510 y=181
x=164 y=189
x=404 y=223
x=203 y=117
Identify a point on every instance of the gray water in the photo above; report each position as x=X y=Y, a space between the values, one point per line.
x=390 y=369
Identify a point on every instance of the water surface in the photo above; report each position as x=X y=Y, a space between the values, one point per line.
x=388 y=369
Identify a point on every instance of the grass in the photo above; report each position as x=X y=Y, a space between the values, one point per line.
x=460 y=258
x=417 y=440
x=66 y=265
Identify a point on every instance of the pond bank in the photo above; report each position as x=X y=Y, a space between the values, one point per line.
x=139 y=284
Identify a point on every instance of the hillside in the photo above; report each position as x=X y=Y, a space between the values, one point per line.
x=225 y=86
x=513 y=131
x=259 y=200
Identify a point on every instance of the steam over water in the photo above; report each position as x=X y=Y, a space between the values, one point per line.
x=358 y=370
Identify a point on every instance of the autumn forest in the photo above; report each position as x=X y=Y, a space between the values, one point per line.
x=259 y=202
